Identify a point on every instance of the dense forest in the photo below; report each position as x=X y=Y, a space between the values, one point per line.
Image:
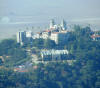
x=84 y=73
x=12 y=53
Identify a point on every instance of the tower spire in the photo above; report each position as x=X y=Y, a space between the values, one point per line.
x=52 y=23
x=64 y=24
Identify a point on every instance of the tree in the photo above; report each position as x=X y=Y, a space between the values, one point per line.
x=38 y=43
x=49 y=44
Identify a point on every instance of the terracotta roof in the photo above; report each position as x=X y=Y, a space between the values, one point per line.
x=23 y=71
x=52 y=28
x=55 y=33
x=17 y=68
x=95 y=36
x=47 y=30
x=38 y=32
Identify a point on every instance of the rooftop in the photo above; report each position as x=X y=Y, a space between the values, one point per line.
x=95 y=36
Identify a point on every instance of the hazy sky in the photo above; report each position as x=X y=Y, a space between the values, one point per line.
x=52 y=8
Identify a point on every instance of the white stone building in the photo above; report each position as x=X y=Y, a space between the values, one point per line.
x=21 y=37
x=95 y=37
x=28 y=34
x=24 y=36
x=48 y=55
x=46 y=34
x=36 y=36
x=59 y=37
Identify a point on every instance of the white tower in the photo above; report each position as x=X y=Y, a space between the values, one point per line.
x=52 y=23
x=21 y=37
x=64 y=25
